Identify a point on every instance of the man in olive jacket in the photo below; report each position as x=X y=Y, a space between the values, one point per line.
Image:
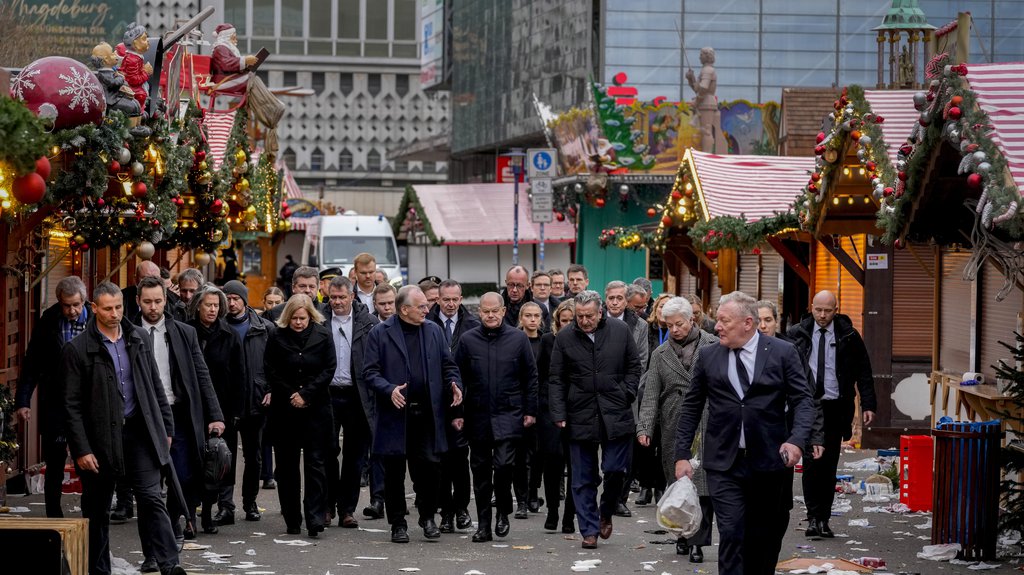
x=500 y=376
x=594 y=375
x=119 y=425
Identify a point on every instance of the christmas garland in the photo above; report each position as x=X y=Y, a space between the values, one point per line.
x=627 y=238
x=950 y=111
x=22 y=138
x=201 y=212
x=853 y=123
x=410 y=205
x=732 y=232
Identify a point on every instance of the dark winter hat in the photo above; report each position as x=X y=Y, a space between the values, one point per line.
x=238 y=288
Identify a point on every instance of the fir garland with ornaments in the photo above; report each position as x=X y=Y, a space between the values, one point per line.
x=24 y=167
x=201 y=212
x=627 y=238
x=950 y=112
x=853 y=124
x=731 y=232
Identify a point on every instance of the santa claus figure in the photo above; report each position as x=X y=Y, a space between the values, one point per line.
x=134 y=68
x=229 y=68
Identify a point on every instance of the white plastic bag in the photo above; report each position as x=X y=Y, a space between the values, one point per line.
x=679 y=508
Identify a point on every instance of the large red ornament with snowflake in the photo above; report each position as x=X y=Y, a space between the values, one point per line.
x=60 y=90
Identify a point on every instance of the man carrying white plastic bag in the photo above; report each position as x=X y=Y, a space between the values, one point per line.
x=679 y=509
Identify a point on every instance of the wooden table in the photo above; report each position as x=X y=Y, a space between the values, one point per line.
x=977 y=402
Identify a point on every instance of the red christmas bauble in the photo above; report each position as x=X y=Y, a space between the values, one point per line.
x=139 y=189
x=815 y=177
x=819 y=150
x=756 y=251
x=84 y=247
x=855 y=134
x=29 y=189
x=902 y=176
x=651 y=212
x=871 y=166
x=287 y=213
x=955 y=113
x=820 y=138
x=201 y=155
x=217 y=204
x=879 y=120
x=974 y=181
x=61 y=90
x=43 y=167
x=677 y=195
x=155 y=223
x=599 y=202
x=712 y=254
x=906 y=149
x=560 y=216
x=100 y=202
x=898 y=244
x=956 y=100
x=284 y=205
x=812 y=187
x=887 y=192
x=667 y=221
x=114 y=167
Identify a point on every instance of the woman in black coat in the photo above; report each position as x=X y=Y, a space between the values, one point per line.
x=222 y=351
x=552 y=444
x=299 y=363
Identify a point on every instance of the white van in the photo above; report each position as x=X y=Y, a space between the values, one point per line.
x=335 y=241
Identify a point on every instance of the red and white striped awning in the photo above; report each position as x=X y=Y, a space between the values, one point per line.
x=897 y=109
x=218 y=130
x=755 y=187
x=999 y=89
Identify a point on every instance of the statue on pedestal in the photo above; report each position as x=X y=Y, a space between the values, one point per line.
x=706 y=103
x=119 y=96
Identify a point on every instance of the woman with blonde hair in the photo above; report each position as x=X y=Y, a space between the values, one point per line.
x=299 y=362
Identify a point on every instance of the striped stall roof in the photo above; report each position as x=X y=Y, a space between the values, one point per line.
x=753 y=186
x=999 y=89
x=218 y=129
x=897 y=108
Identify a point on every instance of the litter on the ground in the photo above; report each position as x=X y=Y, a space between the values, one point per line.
x=982 y=565
x=372 y=530
x=293 y=542
x=584 y=565
x=473 y=572
x=409 y=569
x=941 y=552
x=858 y=523
x=194 y=547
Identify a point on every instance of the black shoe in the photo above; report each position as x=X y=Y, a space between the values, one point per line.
x=176 y=570
x=375 y=510
x=121 y=515
x=149 y=566
x=269 y=484
x=551 y=523
x=430 y=530
x=522 y=512
x=252 y=512
x=825 y=530
x=622 y=511
x=483 y=534
x=463 y=520
x=812 y=529
x=447 y=523
x=534 y=505
x=696 y=555
x=501 y=526
x=364 y=480
x=634 y=486
x=645 y=497
x=210 y=529
x=399 y=535
x=314 y=531
x=190 y=534
x=682 y=547
x=568 y=526
x=293 y=530
x=224 y=517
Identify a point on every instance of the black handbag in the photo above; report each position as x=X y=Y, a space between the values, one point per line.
x=217 y=461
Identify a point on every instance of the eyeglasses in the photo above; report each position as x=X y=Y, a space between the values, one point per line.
x=516 y=286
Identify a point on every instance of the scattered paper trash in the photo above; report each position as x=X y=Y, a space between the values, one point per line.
x=648 y=567
x=858 y=523
x=867 y=464
x=372 y=530
x=291 y=542
x=941 y=552
x=1009 y=537
x=119 y=566
x=372 y=558
x=409 y=569
x=584 y=565
x=236 y=542
x=473 y=572
x=982 y=565
x=523 y=547
x=250 y=552
x=926 y=525
x=194 y=547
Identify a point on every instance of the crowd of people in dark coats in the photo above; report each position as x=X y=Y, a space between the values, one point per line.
x=544 y=393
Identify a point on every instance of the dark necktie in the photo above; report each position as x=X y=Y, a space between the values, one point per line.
x=449 y=332
x=741 y=371
x=152 y=336
x=819 y=377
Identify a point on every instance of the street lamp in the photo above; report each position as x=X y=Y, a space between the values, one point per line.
x=515 y=161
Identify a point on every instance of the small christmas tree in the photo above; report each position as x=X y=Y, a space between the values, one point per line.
x=203 y=207
x=1012 y=486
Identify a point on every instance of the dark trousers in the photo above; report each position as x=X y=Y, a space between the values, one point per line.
x=250 y=430
x=785 y=510
x=586 y=478
x=492 y=464
x=55 y=454
x=424 y=473
x=267 y=464
x=553 y=466
x=308 y=438
x=376 y=465
x=747 y=504
x=819 y=477
x=525 y=477
x=186 y=462
x=455 y=484
x=702 y=538
x=343 y=479
x=142 y=476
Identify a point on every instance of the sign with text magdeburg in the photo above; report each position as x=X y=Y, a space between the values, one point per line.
x=541 y=163
x=62 y=27
x=542 y=200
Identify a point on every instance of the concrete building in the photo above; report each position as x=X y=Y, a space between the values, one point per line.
x=361 y=59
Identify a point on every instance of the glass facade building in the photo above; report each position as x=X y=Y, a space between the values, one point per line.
x=506 y=50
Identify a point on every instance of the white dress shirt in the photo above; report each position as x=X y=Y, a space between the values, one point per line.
x=748 y=355
x=341 y=325
x=162 y=354
x=366 y=298
x=831 y=383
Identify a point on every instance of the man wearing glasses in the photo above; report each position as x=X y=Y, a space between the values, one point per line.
x=410 y=368
x=516 y=293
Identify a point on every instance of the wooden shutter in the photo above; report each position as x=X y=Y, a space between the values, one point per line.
x=830 y=275
x=771 y=275
x=954 y=314
x=747 y=276
x=913 y=298
x=997 y=320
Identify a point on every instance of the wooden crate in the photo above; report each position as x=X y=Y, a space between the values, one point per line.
x=74 y=534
